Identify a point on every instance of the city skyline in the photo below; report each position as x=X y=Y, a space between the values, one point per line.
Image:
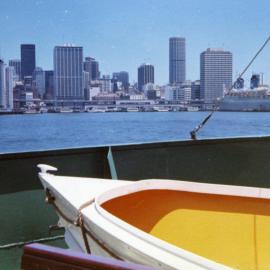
x=147 y=42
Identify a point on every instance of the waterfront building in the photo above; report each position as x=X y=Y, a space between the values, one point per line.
x=28 y=60
x=179 y=92
x=2 y=85
x=92 y=66
x=10 y=83
x=150 y=91
x=254 y=81
x=91 y=92
x=122 y=77
x=145 y=75
x=195 y=90
x=215 y=73
x=106 y=85
x=68 y=72
x=177 y=60
x=19 y=95
x=49 y=85
x=39 y=81
x=16 y=63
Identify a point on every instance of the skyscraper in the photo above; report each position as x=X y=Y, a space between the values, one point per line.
x=10 y=83
x=92 y=66
x=2 y=85
x=39 y=81
x=145 y=75
x=177 y=60
x=215 y=73
x=49 y=89
x=16 y=63
x=68 y=72
x=123 y=77
x=28 y=59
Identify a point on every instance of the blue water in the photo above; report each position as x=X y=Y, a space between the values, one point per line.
x=20 y=133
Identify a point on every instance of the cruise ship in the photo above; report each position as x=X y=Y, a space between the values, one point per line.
x=257 y=99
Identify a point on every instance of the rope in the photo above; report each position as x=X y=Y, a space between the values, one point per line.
x=193 y=133
x=79 y=222
x=40 y=240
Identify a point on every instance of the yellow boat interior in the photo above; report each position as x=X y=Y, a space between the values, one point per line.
x=231 y=230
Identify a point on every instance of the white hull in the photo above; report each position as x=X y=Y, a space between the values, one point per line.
x=114 y=237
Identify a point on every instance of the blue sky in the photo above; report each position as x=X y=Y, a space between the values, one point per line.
x=122 y=34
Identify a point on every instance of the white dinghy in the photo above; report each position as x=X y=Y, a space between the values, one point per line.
x=163 y=223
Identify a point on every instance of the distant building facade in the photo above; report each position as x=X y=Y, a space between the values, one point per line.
x=10 y=83
x=146 y=74
x=122 y=77
x=91 y=66
x=215 y=73
x=195 y=90
x=179 y=92
x=28 y=60
x=2 y=85
x=49 y=84
x=39 y=81
x=16 y=63
x=68 y=72
x=106 y=85
x=177 y=60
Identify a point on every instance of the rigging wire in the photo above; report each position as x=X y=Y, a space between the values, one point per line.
x=193 y=133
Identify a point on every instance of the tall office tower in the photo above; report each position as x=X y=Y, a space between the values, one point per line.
x=215 y=73
x=2 y=85
x=49 y=86
x=39 y=81
x=68 y=72
x=145 y=75
x=123 y=77
x=177 y=60
x=10 y=83
x=92 y=66
x=28 y=60
x=16 y=63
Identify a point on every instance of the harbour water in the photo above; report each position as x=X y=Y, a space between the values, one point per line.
x=21 y=133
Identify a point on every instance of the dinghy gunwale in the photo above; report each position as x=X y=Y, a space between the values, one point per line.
x=143 y=237
x=184 y=186
x=149 y=250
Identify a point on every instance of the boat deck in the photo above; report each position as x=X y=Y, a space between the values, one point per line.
x=231 y=230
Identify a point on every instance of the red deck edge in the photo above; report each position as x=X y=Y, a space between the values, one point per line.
x=42 y=257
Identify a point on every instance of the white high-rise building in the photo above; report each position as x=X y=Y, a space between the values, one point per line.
x=68 y=72
x=215 y=73
x=10 y=83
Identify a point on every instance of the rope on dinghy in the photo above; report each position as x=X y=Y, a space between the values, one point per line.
x=193 y=133
x=79 y=222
